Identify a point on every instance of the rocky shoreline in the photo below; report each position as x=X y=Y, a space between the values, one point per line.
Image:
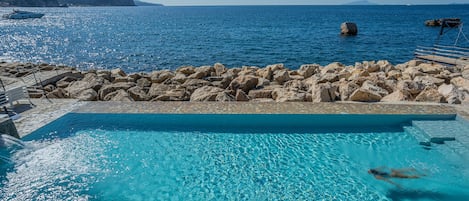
x=367 y=81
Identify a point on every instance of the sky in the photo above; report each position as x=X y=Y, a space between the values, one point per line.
x=294 y=2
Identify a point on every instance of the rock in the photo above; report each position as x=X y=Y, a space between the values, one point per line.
x=413 y=88
x=137 y=94
x=87 y=95
x=324 y=93
x=161 y=76
x=348 y=29
x=107 y=89
x=283 y=95
x=364 y=95
x=430 y=94
x=241 y=95
x=119 y=95
x=396 y=96
x=261 y=93
x=414 y=63
x=433 y=23
x=450 y=93
x=296 y=85
x=394 y=74
x=461 y=83
x=123 y=79
x=205 y=93
x=328 y=77
x=429 y=80
x=105 y=74
x=224 y=97
x=185 y=70
x=174 y=95
x=371 y=67
x=244 y=83
x=90 y=81
x=203 y=71
x=219 y=69
x=248 y=70
x=358 y=73
x=334 y=67
x=370 y=86
x=158 y=90
x=346 y=89
x=193 y=84
x=281 y=76
x=143 y=83
x=411 y=72
x=266 y=73
x=308 y=70
x=49 y=88
x=180 y=78
x=57 y=93
x=430 y=68
x=118 y=73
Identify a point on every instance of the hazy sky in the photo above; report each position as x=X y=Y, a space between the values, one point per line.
x=293 y=2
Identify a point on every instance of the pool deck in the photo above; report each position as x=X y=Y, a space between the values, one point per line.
x=46 y=111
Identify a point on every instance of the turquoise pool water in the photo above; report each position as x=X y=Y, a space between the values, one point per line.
x=210 y=157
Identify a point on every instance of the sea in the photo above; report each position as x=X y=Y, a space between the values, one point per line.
x=145 y=39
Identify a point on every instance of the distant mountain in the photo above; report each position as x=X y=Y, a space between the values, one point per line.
x=360 y=3
x=29 y=3
x=97 y=2
x=142 y=3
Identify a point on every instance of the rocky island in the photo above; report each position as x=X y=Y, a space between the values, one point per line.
x=367 y=81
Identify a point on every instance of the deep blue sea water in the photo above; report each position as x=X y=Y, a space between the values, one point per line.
x=151 y=38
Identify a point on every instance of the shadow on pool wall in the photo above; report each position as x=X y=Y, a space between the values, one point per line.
x=237 y=123
x=398 y=195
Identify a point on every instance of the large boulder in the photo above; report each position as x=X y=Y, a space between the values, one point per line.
x=411 y=87
x=87 y=95
x=461 y=83
x=323 y=93
x=348 y=29
x=308 y=70
x=138 y=94
x=364 y=95
x=430 y=68
x=430 y=94
x=451 y=93
x=281 y=76
x=284 y=95
x=186 y=70
x=396 y=96
x=119 y=95
x=244 y=83
x=346 y=89
x=161 y=76
x=241 y=96
x=334 y=67
x=159 y=89
x=206 y=93
x=225 y=97
x=219 y=69
x=179 y=94
x=370 y=86
x=107 y=89
x=260 y=93
x=429 y=80
x=89 y=81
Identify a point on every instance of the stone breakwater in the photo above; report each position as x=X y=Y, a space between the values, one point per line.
x=368 y=81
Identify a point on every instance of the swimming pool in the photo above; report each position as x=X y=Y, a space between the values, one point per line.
x=231 y=157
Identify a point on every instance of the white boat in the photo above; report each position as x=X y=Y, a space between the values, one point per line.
x=19 y=14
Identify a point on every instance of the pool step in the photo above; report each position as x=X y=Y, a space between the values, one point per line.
x=455 y=134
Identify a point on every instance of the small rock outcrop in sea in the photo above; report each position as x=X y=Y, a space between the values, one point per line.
x=446 y=22
x=348 y=29
x=368 y=81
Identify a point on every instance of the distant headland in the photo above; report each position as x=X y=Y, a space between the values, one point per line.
x=55 y=3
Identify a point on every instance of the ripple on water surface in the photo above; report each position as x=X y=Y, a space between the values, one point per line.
x=131 y=165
